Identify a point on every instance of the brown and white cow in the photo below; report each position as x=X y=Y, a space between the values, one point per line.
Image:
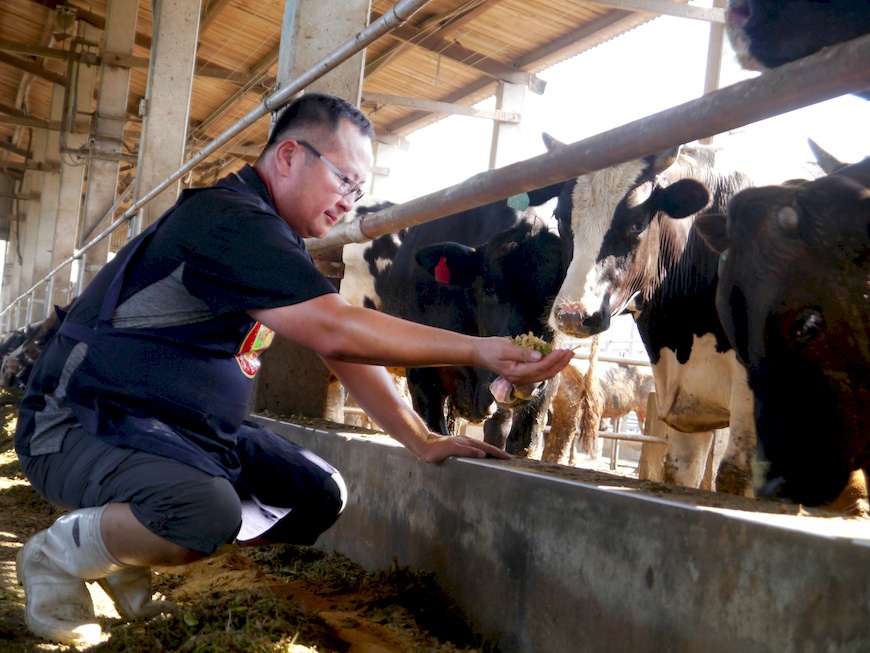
x=620 y=389
x=794 y=297
x=634 y=250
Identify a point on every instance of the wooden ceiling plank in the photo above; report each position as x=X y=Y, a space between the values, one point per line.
x=581 y=39
x=259 y=72
x=446 y=25
x=460 y=54
x=211 y=10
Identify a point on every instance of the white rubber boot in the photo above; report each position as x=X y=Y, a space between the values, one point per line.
x=53 y=566
x=130 y=591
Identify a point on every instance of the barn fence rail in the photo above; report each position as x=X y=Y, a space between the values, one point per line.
x=834 y=71
x=830 y=73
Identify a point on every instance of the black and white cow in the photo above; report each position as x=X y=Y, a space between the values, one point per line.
x=633 y=251
x=386 y=275
x=794 y=297
x=769 y=33
x=512 y=280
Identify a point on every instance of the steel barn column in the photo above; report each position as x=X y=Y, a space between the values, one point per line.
x=506 y=136
x=167 y=102
x=109 y=122
x=72 y=177
x=293 y=380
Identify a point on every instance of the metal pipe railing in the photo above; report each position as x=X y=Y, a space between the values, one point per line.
x=834 y=71
x=396 y=15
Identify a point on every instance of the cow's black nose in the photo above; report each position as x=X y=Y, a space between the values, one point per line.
x=596 y=323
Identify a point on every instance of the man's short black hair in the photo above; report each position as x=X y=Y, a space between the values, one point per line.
x=318 y=110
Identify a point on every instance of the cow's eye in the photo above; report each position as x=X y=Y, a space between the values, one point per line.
x=808 y=325
x=637 y=227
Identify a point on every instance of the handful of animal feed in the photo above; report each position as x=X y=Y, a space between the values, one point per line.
x=503 y=391
x=531 y=341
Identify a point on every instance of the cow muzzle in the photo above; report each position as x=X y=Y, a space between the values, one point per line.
x=573 y=320
x=508 y=395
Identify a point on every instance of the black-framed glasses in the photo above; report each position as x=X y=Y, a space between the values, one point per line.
x=347 y=187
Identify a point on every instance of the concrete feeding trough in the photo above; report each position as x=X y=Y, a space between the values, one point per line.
x=551 y=564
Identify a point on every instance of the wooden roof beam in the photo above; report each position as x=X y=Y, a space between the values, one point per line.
x=466 y=57
x=441 y=107
x=41 y=166
x=31 y=67
x=14 y=149
x=37 y=123
x=667 y=8
x=202 y=69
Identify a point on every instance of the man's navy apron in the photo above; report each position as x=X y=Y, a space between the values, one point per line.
x=136 y=385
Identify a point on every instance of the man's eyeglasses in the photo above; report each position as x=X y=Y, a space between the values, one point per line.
x=347 y=187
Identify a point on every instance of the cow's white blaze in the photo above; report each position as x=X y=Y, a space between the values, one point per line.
x=594 y=199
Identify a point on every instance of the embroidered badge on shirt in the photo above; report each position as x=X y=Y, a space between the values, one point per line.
x=256 y=342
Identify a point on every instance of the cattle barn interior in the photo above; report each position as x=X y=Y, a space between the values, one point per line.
x=108 y=108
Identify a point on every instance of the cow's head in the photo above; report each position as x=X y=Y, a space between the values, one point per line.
x=513 y=277
x=769 y=33
x=620 y=247
x=794 y=298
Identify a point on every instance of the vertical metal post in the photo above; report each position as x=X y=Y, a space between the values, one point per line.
x=28 y=313
x=49 y=301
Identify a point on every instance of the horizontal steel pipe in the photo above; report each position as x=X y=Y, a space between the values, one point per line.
x=834 y=71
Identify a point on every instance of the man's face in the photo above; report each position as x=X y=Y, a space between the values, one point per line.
x=306 y=192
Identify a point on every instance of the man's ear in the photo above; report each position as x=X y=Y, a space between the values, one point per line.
x=284 y=154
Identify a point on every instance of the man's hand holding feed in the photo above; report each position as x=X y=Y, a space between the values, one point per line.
x=519 y=365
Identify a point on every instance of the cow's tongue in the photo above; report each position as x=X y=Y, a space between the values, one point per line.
x=501 y=390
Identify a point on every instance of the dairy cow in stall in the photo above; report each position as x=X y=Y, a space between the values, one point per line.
x=633 y=248
x=385 y=274
x=510 y=282
x=794 y=297
x=621 y=388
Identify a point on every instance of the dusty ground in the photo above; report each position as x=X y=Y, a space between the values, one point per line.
x=289 y=599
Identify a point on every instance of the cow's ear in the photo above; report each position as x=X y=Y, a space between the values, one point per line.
x=551 y=143
x=859 y=172
x=713 y=230
x=542 y=195
x=664 y=160
x=683 y=198
x=450 y=263
x=827 y=161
